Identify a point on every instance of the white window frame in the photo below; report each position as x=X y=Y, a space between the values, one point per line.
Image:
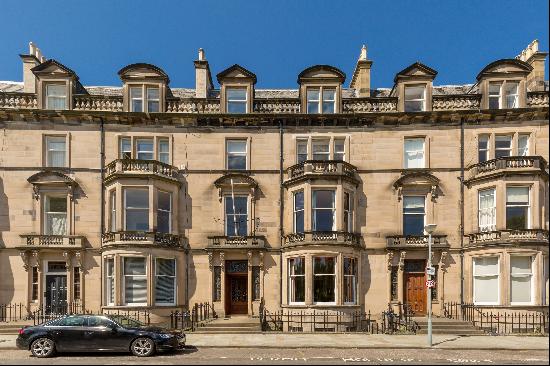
x=112 y=211
x=133 y=98
x=160 y=154
x=125 y=208
x=174 y=277
x=63 y=97
x=124 y=275
x=422 y=100
x=144 y=97
x=226 y=215
x=502 y=93
x=527 y=137
x=480 y=193
x=495 y=96
x=236 y=101
x=531 y=280
x=509 y=149
x=295 y=211
x=320 y=101
x=406 y=152
x=169 y=211
x=315 y=209
x=474 y=280
x=49 y=150
x=121 y=150
x=46 y=229
x=240 y=153
x=528 y=204
x=291 y=280
x=506 y=94
x=110 y=281
x=354 y=281
x=150 y=99
x=487 y=149
x=322 y=275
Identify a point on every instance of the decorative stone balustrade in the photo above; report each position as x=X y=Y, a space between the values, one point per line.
x=193 y=106
x=18 y=100
x=52 y=241
x=142 y=238
x=322 y=237
x=456 y=102
x=511 y=163
x=236 y=242
x=537 y=99
x=369 y=105
x=137 y=167
x=277 y=105
x=412 y=241
x=97 y=103
x=321 y=168
x=507 y=237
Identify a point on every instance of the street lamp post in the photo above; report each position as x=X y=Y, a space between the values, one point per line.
x=430 y=228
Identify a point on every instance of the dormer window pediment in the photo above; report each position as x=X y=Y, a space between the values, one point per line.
x=237 y=89
x=56 y=84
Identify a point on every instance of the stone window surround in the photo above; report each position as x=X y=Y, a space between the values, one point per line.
x=251 y=209
x=308 y=189
x=67 y=148
x=336 y=86
x=535 y=221
x=244 y=84
x=119 y=186
x=427 y=82
x=427 y=149
x=248 y=140
x=144 y=84
x=321 y=98
x=522 y=89
x=310 y=138
x=155 y=137
x=308 y=265
x=515 y=144
x=59 y=192
x=150 y=262
x=504 y=255
x=176 y=273
x=430 y=212
x=45 y=80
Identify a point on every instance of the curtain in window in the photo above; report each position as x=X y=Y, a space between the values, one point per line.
x=56 y=216
x=296 y=280
x=487 y=210
x=165 y=287
x=521 y=276
x=414 y=153
x=56 y=151
x=486 y=280
x=135 y=281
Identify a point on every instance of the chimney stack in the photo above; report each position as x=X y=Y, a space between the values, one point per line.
x=33 y=59
x=203 y=78
x=537 y=59
x=360 y=80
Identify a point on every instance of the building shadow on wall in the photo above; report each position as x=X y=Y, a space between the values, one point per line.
x=7 y=289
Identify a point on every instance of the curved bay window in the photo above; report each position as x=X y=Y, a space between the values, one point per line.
x=136 y=209
x=299 y=212
x=296 y=280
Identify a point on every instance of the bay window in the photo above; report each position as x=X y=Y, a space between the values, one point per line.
x=415 y=98
x=487 y=210
x=521 y=278
x=56 y=96
x=56 y=151
x=165 y=281
x=324 y=280
x=414 y=153
x=55 y=215
x=135 y=280
x=517 y=208
x=164 y=212
x=486 y=280
x=323 y=210
x=348 y=212
x=350 y=281
x=236 y=100
x=236 y=154
x=236 y=215
x=414 y=215
x=483 y=148
x=299 y=212
x=296 y=280
x=110 y=281
x=503 y=146
x=136 y=209
x=321 y=149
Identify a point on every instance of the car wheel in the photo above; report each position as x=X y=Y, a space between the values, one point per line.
x=43 y=347
x=143 y=347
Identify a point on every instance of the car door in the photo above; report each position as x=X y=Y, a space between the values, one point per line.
x=68 y=333
x=105 y=335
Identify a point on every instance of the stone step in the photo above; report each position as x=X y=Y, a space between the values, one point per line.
x=233 y=325
x=466 y=325
x=230 y=328
x=452 y=331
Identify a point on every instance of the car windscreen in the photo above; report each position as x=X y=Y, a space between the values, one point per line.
x=125 y=321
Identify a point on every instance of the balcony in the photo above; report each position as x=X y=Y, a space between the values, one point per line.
x=236 y=242
x=322 y=238
x=37 y=241
x=144 y=238
x=370 y=105
x=415 y=241
x=312 y=169
x=507 y=237
x=137 y=168
x=506 y=165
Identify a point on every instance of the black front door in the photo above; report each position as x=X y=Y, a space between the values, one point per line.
x=56 y=294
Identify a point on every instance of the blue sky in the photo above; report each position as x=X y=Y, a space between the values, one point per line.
x=273 y=39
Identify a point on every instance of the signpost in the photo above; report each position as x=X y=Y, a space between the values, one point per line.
x=430 y=284
x=430 y=271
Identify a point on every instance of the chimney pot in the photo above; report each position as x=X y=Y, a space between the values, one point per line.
x=363 y=55
x=201 y=54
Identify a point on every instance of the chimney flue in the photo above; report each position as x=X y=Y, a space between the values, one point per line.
x=201 y=54
x=203 y=79
x=360 y=80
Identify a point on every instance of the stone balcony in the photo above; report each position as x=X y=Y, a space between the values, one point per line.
x=311 y=169
x=18 y=100
x=37 y=241
x=506 y=165
x=145 y=238
x=456 y=102
x=369 y=105
x=236 y=242
x=86 y=102
x=140 y=168
x=194 y=105
x=322 y=238
x=507 y=237
x=279 y=105
x=415 y=241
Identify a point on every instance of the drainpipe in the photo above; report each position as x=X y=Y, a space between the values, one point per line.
x=102 y=208
x=461 y=210
x=281 y=212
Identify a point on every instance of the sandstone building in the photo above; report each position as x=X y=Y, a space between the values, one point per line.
x=144 y=195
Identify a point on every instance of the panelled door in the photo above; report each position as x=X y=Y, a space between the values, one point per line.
x=56 y=293
x=236 y=287
x=415 y=286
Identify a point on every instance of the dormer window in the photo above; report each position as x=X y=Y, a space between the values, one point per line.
x=236 y=100
x=137 y=102
x=415 y=98
x=503 y=95
x=145 y=88
x=153 y=100
x=321 y=100
x=56 y=96
x=321 y=89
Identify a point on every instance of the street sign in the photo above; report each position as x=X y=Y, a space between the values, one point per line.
x=430 y=283
x=430 y=271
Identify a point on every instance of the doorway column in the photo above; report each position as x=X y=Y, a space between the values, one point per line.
x=249 y=283
x=222 y=265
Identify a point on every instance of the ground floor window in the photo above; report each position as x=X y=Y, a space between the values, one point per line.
x=521 y=276
x=165 y=281
x=350 y=281
x=324 y=280
x=296 y=280
x=135 y=281
x=34 y=291
x=76 y=283
x=486 y=280
x=110 y=281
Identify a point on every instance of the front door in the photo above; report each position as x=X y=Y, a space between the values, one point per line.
x=56 y=294
x=415 y=286
x=238 y=294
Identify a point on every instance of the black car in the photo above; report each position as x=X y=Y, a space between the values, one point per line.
x=90 y=333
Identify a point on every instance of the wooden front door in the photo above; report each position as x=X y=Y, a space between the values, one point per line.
x=56 y=294
x=415 y=292
x=237 y=285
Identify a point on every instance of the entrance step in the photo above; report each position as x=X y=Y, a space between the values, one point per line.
x=446 y=326
x=240 y=324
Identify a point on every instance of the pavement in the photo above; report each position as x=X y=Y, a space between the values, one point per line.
x=348 y=341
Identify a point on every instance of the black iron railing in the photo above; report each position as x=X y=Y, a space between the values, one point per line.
x=199 y=314
x=13 y=312
x=399 y=322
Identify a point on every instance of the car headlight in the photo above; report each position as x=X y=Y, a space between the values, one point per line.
x=164 y=335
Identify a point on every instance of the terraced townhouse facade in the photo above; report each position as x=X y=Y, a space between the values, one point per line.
x=144 y=195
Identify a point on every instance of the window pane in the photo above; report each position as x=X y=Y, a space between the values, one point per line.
x=299 y=212
x=165 y=281
x=125 y=148
x=163 y=222
x=135 y=281
x=414 y=153
x=312 y=107
x=323 y=265
x=153 y=106
x=236 y=94
x=323 y=199
x=297 y=266
x=236 y=107
x=328 y=107
x=487 y=210
x=503 y=146
x=56 y=146
x=413 y=225
x=134 y=266
x=137 y=209
x=414 y=92
x=523 y=145
x=313 y=95
x=137 y=198
x=486 y=266
x=516 y=218
x=511 y=93
x=414 y=204
x=236 y=216
x=520 y=265
x=323 y=287
x=339 y=149
x=136 y=92
x=298 y=289
x=321 y=150
x=236 y=146
x=153 y=93
x=54 y=90
x=520 y=289
x=56 y=96
x=486 y=289
x=145 y=149
x=301 y=150
x=517 y=195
